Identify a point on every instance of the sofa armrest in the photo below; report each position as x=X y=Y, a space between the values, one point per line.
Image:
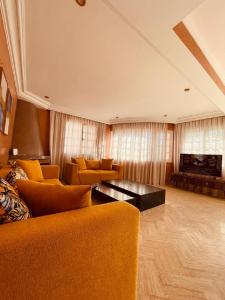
x=50 y=171
x=89 y=253
x=119 y=169
x=71 y=173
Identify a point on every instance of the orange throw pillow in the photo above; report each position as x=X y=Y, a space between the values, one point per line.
x=106 y=164
x=45 y=199
x=92 y=164
x=32 y=168
x=80 y=161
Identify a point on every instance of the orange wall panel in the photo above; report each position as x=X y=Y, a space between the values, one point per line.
x=6 y=140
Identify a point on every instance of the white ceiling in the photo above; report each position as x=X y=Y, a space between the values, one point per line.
x=207 y=24
x=116 y=58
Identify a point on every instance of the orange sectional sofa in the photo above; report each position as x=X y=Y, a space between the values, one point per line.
x=88 y=253
x=50 y=173
x=74 y=175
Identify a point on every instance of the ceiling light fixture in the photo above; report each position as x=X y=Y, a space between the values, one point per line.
x=81 y=2
x=186 y=89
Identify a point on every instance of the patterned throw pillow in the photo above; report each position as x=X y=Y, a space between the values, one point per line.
x=12 y=208
x=15 y=173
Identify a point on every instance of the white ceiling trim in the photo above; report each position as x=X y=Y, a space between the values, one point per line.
x=13 y=14
x=199 y=117
x=179 y=120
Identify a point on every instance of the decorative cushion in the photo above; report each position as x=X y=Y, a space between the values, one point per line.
x=15 y=173
x=106 y=164
x=80 y=161
x=92 y=164
x=12 y=208
x=32 y=168
x=44 y=199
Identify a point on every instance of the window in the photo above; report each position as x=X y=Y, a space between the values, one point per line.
x=81 y=139
x=73 y=138
x=201 y=137
x=141 y=148
x=169 y=146
x=131 y=147
x=209 y=141
x=138 y=143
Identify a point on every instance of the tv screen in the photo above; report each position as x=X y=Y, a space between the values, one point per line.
x=203 y=164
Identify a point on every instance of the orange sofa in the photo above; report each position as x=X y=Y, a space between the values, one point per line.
x=50 y=173
x=73 y=175
x=88 y=253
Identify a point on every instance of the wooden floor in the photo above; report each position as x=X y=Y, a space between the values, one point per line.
x=182 y=248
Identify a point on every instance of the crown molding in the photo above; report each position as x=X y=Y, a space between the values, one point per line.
x=71 y=112
x=137 y=120
x=177 y=121
x=200 y=117
x=13 y=15
x=32 y=98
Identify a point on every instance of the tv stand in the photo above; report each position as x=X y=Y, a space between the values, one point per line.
x=196 y=182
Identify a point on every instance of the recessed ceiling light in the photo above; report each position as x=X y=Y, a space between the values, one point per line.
x=187 y=89
x=46 y=97
x=81 y=2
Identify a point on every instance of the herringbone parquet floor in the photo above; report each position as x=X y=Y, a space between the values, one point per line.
x=182 y=249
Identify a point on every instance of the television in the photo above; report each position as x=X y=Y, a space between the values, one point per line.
x=203 y=164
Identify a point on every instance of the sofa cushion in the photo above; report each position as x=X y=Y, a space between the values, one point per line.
x=32 y=168
x=44 y=199
x=80 y=161
x=14 y=174
x=107 y=175
x=96 y=176
x=12 y=207
x=92 y=164
x=106 y=164
x=89 y=176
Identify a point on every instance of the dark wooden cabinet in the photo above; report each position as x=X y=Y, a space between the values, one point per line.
x=197 y=182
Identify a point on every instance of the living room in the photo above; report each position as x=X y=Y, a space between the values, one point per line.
x=112 y=144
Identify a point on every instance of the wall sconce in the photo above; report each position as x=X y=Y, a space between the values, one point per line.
x=15 y=151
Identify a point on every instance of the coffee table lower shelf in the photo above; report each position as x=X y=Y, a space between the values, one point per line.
x=108 y=194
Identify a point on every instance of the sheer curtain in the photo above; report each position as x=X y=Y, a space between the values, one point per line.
x=141 y=148
x=200 y=137
x=74 y=136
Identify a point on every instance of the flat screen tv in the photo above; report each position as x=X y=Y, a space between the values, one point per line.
x=204 y=164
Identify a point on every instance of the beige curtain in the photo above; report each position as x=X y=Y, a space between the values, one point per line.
x=200 y=137
x=57 y=138
x=141 y=148
x=74 y=136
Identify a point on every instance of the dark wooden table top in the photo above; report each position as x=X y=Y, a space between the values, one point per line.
x=133 y=187
x=106 y=190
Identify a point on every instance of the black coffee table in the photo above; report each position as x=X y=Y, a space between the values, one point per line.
x=142 y=196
